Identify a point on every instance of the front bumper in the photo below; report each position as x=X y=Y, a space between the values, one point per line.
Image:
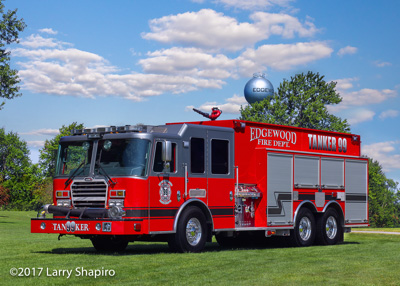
x=73 y=226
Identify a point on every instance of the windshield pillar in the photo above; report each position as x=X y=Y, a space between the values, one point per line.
x=93 y=159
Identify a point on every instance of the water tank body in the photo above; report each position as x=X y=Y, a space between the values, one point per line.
x=258 y=88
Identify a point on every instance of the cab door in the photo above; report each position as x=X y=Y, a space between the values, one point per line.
x=166 y=187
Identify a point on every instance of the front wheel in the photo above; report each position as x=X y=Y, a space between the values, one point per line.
x=303 y=233
x=329 y=230
x=191 y=233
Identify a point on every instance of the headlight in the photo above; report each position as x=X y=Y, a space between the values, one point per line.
x=64 y=203
x=116 y=203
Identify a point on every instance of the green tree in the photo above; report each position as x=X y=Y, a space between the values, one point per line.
x=47 y=158
x=18 y=176
x=384 y=198
x=10 y=27
x=299 y=102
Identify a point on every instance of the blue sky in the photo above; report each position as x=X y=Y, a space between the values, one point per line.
x=128 y=62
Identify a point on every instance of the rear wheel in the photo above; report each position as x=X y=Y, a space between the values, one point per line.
x=303 y=233
x=191 y=233
x=109 y=243
x=329 y=230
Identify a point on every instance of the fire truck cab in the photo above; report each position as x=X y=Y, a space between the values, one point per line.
x=185 y=182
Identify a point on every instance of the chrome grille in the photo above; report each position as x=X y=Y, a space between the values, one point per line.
x=89 y=194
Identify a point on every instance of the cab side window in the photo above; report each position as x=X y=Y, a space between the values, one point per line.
x=219 y=156
x=197 y=155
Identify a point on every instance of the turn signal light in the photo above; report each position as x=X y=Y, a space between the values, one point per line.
x=62 y=194
x=117 y=194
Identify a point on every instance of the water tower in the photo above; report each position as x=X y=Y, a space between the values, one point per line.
x=258 y=88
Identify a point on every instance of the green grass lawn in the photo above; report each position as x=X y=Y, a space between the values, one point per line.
x=363 y=259
x=385 y=229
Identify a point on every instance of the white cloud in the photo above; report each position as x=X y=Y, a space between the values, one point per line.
x=282 y=25
x=381 y=64
x=134 y=53
x=232 y=105
x=360 y=115
x=44 y=131
x=188 y=61
x=387 y=153
x=35 y=144
x=362 y=97
x=205 y=29
x=347 y=51
x=345 y=83
x=208 y=29
x=195 y=62
x=367 y=96
x=389 y=114
x=283 y=56
x=50 y=68
x=255 y=5
x=35 y=41
x=79 y=73
x=49 y=31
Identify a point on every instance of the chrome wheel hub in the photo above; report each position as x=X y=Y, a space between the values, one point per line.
x=193 y=231
x=305 y=228
x=331 y=227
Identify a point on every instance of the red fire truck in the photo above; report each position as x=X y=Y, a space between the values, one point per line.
x=182 y=183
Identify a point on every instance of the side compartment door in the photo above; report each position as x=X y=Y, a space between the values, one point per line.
x=356 y=191
x=279 y=189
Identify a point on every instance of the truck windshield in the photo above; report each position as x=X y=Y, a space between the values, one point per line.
x=74 y=157
x=122 y=157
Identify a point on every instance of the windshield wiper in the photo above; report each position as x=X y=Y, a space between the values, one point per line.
x=105 y=173
x=72 y=176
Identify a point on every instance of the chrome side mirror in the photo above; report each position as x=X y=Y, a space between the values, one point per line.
x=167 y=151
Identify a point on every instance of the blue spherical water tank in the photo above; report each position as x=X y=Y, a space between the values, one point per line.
x=258 y=88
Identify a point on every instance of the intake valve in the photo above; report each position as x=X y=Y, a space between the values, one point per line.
x=215 y=113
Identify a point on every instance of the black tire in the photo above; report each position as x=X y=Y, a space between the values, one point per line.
x=304 y=231
x=109 y=243
x=329 y=229
x=191 y=233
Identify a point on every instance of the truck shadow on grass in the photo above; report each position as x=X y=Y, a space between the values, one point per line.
x=159 y=248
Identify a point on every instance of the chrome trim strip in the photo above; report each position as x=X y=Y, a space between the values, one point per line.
x=161 y=232
x=254 y=228
x=186 y=179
